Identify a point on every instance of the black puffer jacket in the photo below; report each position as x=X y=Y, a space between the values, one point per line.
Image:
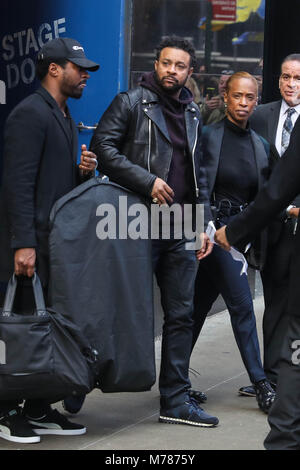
x=133 y=146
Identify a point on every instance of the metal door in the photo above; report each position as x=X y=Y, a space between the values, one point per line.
x=103 y=27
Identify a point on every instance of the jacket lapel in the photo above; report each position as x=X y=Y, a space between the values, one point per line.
x=261 y=158
x=74 y=141
x=58 y=116
x=153 y=110
x=61 y=120
x=154 y=113
x=272 y=126
x=192 y=122
x=213 y=142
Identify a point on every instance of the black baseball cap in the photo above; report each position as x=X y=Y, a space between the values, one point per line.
x=69 y=49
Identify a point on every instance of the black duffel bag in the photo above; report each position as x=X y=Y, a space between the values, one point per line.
x=42 y=355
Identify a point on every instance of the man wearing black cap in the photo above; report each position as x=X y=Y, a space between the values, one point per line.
x=40 y=166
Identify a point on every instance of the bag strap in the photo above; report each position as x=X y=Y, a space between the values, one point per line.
x=38 y=295
x=11 y=293
x=10 y=296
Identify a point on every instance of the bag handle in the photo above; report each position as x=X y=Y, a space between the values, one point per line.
x=9 y=296
x=11 y=292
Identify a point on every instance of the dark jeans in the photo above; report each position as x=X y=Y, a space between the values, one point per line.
x=24 y=303
x=220 y=274
x=175 y=270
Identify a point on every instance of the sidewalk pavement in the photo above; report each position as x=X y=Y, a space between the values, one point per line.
x=129 y=421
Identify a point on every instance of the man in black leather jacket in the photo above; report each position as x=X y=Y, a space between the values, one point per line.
x=148 y=141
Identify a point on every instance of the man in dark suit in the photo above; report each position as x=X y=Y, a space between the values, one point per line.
x=270 y=121
x=282 y=188
x=40 y=166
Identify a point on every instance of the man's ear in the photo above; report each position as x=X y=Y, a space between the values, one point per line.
x=191 y=71
x=225 y=98
x=53 y=69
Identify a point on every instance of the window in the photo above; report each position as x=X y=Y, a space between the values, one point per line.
x=235 y=45
x=227 y=35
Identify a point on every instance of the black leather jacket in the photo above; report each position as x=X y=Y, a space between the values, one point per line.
x=133 y=146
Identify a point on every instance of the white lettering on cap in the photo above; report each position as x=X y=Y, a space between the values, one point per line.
x=76 y=48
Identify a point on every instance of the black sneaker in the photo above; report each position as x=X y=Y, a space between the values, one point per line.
x=265 y=395
x=55 y=423
x=15 y=428
x=188 y=413
x=248 y=391
x=73 y=404
x=200 y=397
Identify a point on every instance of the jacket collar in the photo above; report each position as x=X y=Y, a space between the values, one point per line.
x=150 y=103
x=150 y=97
x=213 y=137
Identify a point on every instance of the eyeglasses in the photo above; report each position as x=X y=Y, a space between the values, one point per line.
x=227 y=72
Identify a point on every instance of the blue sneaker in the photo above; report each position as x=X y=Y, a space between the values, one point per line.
x=188 y=413
x=73 y=404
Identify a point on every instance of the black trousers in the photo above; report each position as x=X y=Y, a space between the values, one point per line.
x=175 y=269
x=24 y=303
x=284 y=415
x=275 y=279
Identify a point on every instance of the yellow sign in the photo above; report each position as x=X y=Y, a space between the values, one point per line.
x=244 y=9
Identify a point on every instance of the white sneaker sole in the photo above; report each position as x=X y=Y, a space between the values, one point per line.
x=20 y=440
x=60 y=432
x=165 y=419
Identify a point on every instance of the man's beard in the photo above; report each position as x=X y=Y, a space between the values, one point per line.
x=76 y=94
x=72 y=91
x=170 y=90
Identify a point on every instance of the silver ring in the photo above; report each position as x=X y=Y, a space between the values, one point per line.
x=155 y=200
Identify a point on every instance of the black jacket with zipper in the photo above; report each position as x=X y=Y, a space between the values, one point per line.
x=133 y=145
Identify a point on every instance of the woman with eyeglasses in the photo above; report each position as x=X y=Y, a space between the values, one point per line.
x=236 y=162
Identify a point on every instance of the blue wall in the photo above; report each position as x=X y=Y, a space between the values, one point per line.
x=100 y=25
